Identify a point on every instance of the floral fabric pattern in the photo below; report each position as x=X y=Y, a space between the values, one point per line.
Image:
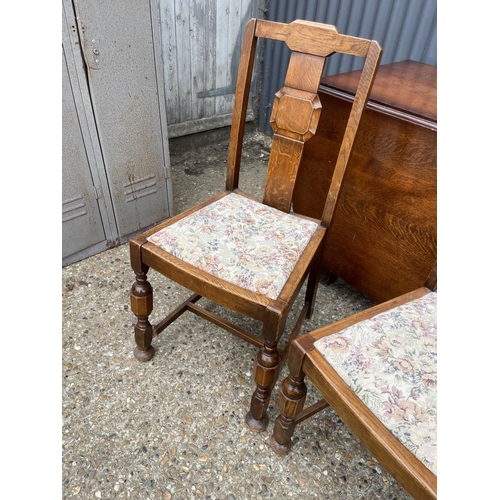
x=390 y=362
x=241 y=241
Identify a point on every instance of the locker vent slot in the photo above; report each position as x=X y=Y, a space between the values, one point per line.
x=71 y=209
x=140 y=188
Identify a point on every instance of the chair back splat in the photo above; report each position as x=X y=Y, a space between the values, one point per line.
x=247 y=255
x=296 y=109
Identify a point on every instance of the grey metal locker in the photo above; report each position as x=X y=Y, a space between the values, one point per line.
x=88 y=221
x=124 y=102
x=82 y=224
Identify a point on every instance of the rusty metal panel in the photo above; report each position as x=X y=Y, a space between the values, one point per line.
x=201 y=42
x=122 y=52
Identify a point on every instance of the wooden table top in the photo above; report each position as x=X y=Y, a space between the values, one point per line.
x=407 y=86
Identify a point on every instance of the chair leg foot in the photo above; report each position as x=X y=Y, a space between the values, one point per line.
x=278 y=448
x=144 y=355
x=256 y=425
x=281 y=439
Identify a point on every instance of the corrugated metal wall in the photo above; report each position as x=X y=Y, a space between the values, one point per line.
x=406 y=29
x=201 y=44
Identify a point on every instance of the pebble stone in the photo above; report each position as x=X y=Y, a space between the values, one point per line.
x=173 y=428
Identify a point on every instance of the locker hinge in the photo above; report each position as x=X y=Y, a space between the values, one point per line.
x=168 y=175
x=97 y=192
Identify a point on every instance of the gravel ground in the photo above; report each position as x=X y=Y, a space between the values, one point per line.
x=174 y=428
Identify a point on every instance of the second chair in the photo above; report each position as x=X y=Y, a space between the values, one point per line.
x=248 y=255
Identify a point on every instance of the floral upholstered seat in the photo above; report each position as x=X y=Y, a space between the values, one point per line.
x=390 y=363
x=241 y=241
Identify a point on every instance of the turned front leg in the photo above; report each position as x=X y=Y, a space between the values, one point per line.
x=291 y=402
x=265 y=373
x=141 y=302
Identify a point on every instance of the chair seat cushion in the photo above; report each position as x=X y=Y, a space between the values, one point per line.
x=390 y=363
x=240 y=241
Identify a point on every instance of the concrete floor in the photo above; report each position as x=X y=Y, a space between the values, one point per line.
x=174 y=428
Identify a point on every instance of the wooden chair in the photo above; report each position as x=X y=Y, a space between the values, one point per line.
x=377 y=370
x=249 y=256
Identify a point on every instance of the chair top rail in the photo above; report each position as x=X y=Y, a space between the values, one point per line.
x=313 y=38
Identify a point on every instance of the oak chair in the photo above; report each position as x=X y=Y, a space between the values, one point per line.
x=377 y=369
x=247 y=255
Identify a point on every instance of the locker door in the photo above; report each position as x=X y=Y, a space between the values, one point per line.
x=122 y=51
x=88 y=224
x=81 y=219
